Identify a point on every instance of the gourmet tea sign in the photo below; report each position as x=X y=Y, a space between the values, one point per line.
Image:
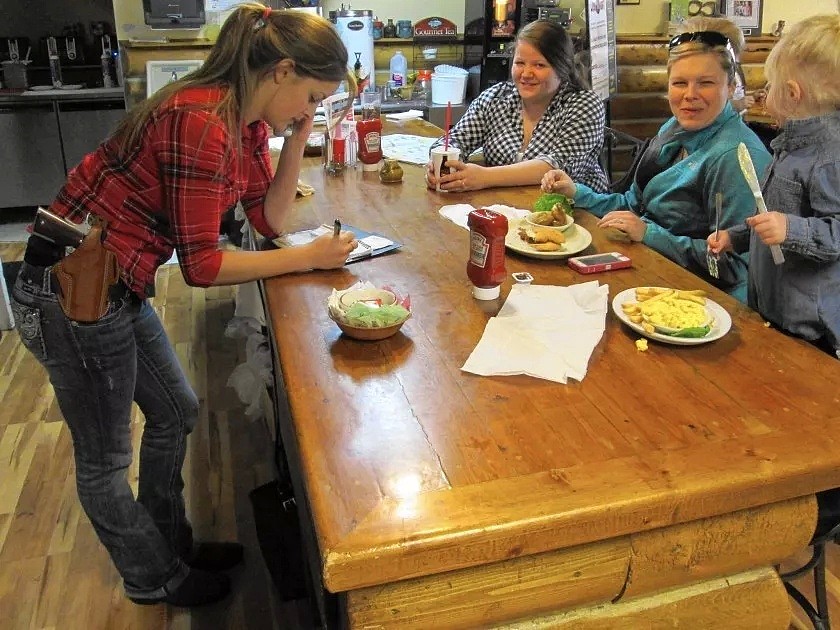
x=435 y=28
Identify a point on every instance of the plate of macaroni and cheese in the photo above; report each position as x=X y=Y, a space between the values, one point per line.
x=679 y=317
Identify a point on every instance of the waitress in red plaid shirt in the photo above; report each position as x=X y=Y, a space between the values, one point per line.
x=161 y=183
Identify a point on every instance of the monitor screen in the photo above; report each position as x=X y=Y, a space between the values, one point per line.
x=174 y=13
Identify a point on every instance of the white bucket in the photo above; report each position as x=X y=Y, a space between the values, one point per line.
x=449 y=88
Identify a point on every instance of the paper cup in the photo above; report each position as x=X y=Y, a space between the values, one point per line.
x=440 y=157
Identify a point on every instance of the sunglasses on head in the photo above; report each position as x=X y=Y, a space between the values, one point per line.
x=710 y=38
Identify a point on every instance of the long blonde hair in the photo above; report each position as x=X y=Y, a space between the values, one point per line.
x=250 y=44
x=810 y=53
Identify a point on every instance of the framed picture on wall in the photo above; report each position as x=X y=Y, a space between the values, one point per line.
x=745 y=13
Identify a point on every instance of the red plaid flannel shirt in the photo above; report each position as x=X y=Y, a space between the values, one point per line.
x=170 y=192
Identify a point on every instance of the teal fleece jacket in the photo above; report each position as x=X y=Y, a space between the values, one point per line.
x=678 y=203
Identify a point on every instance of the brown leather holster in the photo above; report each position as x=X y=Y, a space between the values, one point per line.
x=85 y=278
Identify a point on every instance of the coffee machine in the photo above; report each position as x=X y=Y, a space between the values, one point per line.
x=533 y=10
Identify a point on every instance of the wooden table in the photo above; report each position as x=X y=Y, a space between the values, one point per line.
x=660 y=490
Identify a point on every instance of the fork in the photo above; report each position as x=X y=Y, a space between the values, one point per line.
x=712 y=259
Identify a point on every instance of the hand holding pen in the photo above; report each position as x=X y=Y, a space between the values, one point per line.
x=332 y=249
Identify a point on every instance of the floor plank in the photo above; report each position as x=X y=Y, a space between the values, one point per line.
x=53 y=571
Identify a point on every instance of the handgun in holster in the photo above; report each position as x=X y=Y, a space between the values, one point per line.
x=86 y=275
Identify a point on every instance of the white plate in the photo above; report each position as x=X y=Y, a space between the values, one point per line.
x=721 y=325
x=577 y=239
x=71 y=86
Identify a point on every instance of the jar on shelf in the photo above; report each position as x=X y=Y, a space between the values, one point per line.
x=390 y=31
x=378 y=29
x=405 y=29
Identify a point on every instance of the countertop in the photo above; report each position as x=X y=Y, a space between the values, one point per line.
x=16 y=97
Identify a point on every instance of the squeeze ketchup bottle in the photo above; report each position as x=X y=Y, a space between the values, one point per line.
x=370 y=143
x=486 y=266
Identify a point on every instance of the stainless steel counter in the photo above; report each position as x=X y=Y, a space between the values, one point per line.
x=44 y=134
x=8 y=97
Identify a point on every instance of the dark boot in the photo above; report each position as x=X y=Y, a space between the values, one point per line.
x=215 y=556
x=198 y=589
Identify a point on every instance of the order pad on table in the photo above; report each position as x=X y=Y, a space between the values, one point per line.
x=543 y=331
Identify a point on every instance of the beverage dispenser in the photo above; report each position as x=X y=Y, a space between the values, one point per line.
x=356 y=31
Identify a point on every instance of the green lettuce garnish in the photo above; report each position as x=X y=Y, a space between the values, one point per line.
x=695 y=332
x=365 y=316
x=546 y=202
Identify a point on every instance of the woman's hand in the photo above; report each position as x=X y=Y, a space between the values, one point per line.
x=431 y=180
x=330 y=252
x=625 y=221
x=771 y=227
x=462 y=176
x=558 y=181
x=721 y=244
x=300 y=130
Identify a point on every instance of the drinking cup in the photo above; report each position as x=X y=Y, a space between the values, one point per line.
x=440 y=157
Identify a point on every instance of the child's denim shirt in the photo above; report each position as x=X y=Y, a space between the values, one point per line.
x=802 y=295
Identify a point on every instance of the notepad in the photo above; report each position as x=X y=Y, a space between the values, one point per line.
x=370 y=243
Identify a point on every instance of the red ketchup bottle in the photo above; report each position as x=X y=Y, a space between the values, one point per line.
x=370 y=143
x=486 y=266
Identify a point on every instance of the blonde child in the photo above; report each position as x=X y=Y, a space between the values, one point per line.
x=802 y=188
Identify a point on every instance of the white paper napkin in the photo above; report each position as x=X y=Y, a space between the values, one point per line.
x=458 y=213
x=410 y=114
x=543 y=331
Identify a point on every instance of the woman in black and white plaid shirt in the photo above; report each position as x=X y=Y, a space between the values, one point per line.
x=542 y=119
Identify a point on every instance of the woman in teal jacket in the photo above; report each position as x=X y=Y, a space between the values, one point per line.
x=671 y=205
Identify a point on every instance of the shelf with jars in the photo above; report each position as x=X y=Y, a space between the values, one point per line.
x=421 y=54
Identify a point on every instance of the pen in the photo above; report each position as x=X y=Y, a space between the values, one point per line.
x=336 y=228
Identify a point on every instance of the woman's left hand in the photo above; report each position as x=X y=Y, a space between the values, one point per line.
x=770 y=227
x=626 y=221
x=466 y=176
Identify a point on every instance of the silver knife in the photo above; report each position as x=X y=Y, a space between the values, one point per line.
x=748 y=169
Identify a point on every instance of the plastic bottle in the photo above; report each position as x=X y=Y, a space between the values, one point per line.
x=370 y=143
x=399 y=68
x=486 y=266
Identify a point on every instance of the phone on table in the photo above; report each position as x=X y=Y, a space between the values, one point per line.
x=595 y=263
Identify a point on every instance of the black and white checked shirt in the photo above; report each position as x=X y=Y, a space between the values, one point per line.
x=569 y=136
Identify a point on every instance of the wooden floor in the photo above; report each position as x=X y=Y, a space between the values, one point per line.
x=54 y=573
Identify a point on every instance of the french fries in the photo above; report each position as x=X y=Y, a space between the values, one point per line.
x=646 y=293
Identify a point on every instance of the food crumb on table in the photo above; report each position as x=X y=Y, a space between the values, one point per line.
x=641 y=345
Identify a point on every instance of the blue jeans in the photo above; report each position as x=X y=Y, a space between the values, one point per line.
x=97 y=370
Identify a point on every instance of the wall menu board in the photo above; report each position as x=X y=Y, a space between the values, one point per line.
x=601 y=32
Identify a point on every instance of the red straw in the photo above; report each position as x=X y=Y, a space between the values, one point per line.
x=447 y=123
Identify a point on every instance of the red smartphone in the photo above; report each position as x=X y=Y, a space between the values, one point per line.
x=595 y=263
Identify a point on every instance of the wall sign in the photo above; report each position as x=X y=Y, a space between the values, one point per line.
x=435 y=28
x=600 y=23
